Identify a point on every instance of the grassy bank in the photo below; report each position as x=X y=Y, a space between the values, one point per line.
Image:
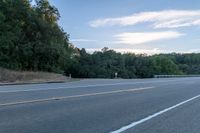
x=10 y=76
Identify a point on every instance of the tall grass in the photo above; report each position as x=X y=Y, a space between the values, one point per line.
x=26 y=76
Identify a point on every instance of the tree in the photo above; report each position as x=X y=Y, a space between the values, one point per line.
x=30 y=37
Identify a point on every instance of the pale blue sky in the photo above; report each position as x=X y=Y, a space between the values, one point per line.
x=147 y=26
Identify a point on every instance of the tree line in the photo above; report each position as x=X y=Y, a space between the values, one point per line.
x=105 y=63
x=31 y=39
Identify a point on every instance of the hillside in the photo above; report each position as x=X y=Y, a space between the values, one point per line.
x=10 y=76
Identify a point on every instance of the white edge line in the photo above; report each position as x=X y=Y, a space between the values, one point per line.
x=152 y=116
x=75 y=96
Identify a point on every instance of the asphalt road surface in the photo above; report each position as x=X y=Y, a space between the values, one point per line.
x=170 y=105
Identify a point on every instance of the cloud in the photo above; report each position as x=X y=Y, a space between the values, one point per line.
x=194 y=50
x=128 y=50
x=145 y=37
x=160 y=19
x=146 y=51
x=82 y=40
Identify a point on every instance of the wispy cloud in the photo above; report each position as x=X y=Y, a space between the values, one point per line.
x=129 y=50
x=146 y=51
x=159 y=19
x=194 y=50
x=82 y=40
x=145 y=37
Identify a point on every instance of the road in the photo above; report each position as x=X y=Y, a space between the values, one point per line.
x=102 y=106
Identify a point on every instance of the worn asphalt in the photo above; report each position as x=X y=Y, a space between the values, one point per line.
x=168 y=105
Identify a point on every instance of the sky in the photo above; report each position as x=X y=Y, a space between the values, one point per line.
x=139 y=26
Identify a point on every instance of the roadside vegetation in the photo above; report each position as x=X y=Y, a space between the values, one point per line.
x=104 y=64
x=10 y=76
x=32 y=40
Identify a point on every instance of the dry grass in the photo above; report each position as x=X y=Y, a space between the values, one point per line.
x=10 y=76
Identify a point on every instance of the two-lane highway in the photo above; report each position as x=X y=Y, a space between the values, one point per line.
x=102 y=106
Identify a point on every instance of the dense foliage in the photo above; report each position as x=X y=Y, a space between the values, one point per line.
x=105 y=63
x=31 y=39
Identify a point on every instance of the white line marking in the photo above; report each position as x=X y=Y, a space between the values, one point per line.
x=96 y=85
x=76 y=96
x=152 y=116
